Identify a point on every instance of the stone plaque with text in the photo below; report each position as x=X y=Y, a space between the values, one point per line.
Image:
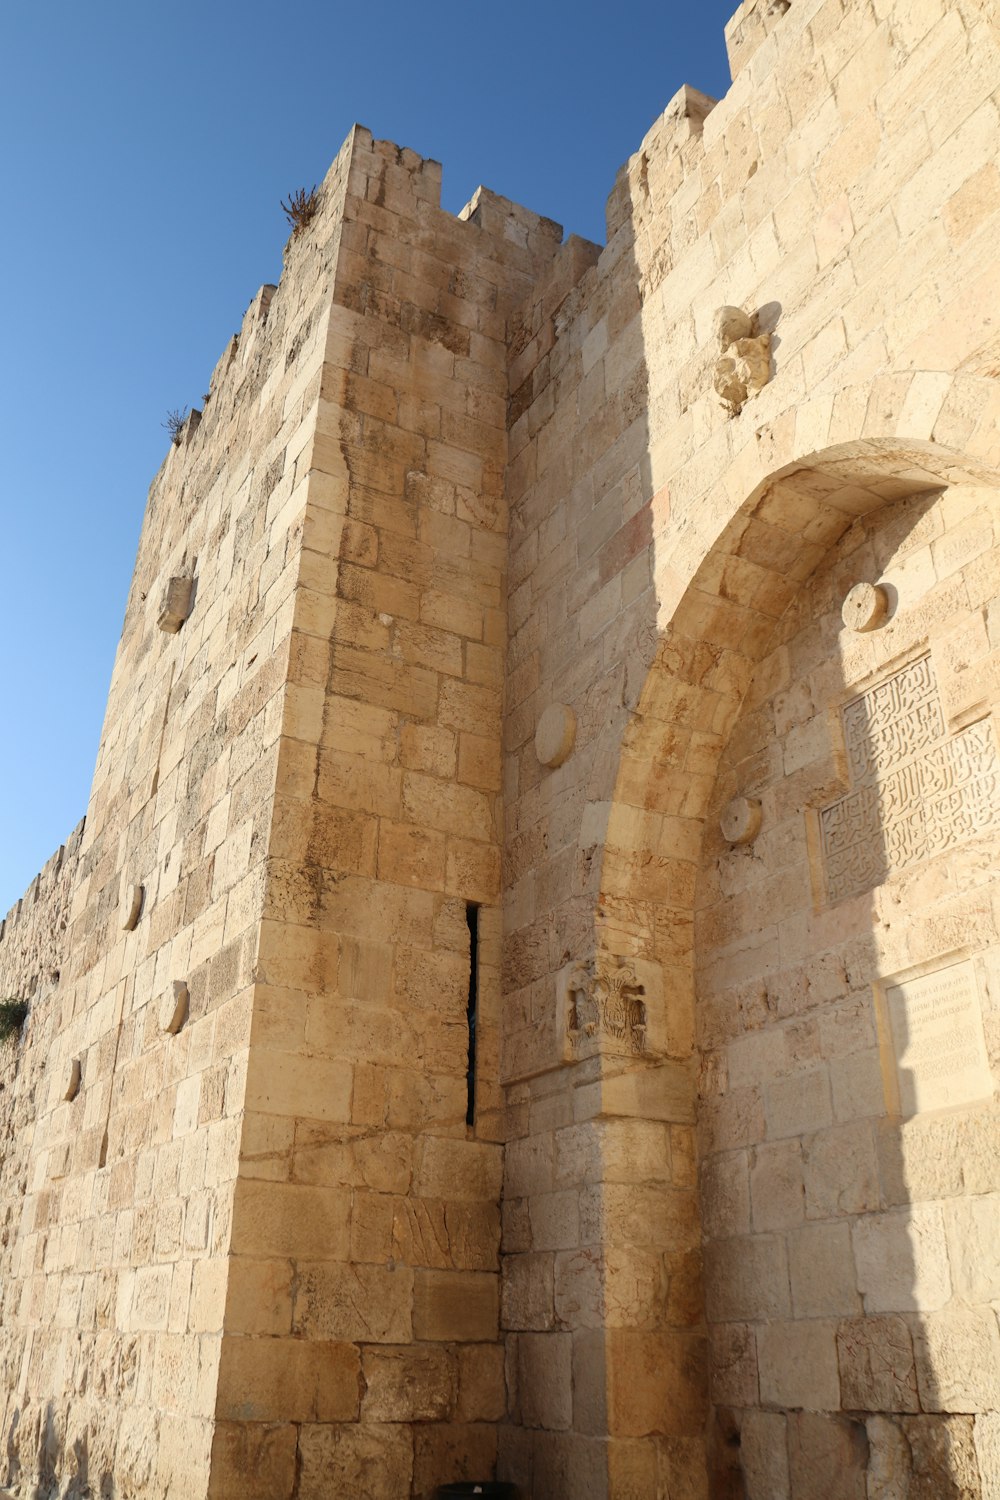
x=935 y=1036
x=916 y=791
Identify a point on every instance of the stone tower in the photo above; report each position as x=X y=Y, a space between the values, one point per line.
x=525 y=997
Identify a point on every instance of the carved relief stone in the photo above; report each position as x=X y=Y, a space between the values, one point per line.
x=605 y=1008
x=744 y=367
x=915 y=791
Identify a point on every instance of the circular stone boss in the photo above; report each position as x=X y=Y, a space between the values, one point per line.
x=865 y=607
x=740 y=820
x=554 y=734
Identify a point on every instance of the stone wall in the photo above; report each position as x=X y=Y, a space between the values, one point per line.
x=493 y=572
x=362 y=1323
x=842 y=196
x=850 y=1261
x=117 y=1273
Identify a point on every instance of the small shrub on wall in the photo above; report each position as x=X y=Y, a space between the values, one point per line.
x=12 y=1018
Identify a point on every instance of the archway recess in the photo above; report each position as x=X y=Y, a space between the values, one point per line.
x=693 y=742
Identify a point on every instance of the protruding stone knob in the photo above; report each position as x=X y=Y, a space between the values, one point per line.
x=732 y=323
x=174 y=1008
x=132 y=908
x=554 y=734
x=865 y=607
x=176 y=604
x=75 y=1079
x=740 y=820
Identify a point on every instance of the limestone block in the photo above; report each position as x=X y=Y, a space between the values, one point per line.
x=174 y=1007
x=828 y=1457
x=481 y=1387
x=273 y=1379
x=459 y=1170
x=258 y=1296
x=986 y=1435
x=555 y=1220
x=151 y=1298
x=764 y=1455
x=527 y=1291
x=407 y=1384
x=943 y=1456
x=822 y=1272
x=865 y=607
x=275 y=1219
x=902 y=1261
x=176 y=604
x=877 y=1371
x=361 y=1303
x=725 y=1194
x=461 y=1305
x=733 y=1364
x=973 y=1230
x=747 y=1278
x=619 y=1287
x=776 y=1186
x=555 y=734
x=890 y=1466
x=656 y=1381
x=798 y=1365
x=798 y=1103
x=451 y=1452
x=957 y=1354
x=840 y=1171
x=254 y=1460
x=367 y=1461
x=543 y=1364
x=445 y=1234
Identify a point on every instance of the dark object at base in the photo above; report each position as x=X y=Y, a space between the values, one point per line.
x=490 y=1489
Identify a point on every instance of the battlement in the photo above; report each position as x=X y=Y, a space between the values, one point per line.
x=751 y=25
x=57 y=871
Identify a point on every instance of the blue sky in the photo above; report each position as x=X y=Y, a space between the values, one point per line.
x=146 y=148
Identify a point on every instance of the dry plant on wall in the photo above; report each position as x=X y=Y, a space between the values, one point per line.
x=12 y=1017
x=175 y=423
x=301 y=209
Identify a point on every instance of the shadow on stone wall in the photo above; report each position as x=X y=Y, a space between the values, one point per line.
x=833 y=1363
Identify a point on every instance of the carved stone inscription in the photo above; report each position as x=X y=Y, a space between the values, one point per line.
x=915 y=790
x=936 y=1034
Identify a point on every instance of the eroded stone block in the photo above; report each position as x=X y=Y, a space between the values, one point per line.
x=176 y=605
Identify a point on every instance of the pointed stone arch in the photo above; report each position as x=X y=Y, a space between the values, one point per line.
x=720 y=596
x=774 y=515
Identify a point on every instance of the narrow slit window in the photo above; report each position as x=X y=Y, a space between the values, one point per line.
x=472 y=917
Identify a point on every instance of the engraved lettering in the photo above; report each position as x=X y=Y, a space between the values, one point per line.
x=936 y=1033
x=915 y=793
